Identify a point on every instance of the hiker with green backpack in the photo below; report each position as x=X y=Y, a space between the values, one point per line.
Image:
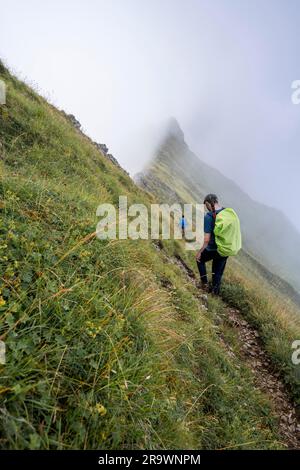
x=222 y=238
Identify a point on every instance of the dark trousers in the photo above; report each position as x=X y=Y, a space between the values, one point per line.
x=218 y=266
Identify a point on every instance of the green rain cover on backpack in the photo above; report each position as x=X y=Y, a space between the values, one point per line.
x=228 y=232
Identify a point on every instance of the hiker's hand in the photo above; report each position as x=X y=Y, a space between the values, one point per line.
x=198 y=256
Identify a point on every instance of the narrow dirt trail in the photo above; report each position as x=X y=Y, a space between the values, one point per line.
x=266 y=379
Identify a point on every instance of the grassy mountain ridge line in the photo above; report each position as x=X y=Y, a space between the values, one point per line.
x=107 y=344
x=176 y=166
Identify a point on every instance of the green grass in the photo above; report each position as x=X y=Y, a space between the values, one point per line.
x=107 y=344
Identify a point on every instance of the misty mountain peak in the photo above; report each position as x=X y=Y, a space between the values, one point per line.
x=174 y=129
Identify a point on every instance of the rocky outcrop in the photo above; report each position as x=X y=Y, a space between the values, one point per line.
x=101 y=147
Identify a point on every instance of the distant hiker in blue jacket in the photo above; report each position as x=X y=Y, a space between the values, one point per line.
x=208 y=251
x=183 y=225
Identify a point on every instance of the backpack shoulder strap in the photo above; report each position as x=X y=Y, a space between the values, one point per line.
x=214 y=213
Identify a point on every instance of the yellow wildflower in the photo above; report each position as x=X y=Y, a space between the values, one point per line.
x=92 y=329
x=100 y=409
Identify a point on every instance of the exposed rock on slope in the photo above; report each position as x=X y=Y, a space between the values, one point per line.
x=101 y=147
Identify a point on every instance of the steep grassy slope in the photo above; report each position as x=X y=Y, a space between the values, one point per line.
x=266 y=300
x=108 y=344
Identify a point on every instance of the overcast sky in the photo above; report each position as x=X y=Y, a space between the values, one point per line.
x=223 y=68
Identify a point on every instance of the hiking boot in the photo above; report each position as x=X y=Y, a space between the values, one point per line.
x=205 y=287
x=215 y=290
